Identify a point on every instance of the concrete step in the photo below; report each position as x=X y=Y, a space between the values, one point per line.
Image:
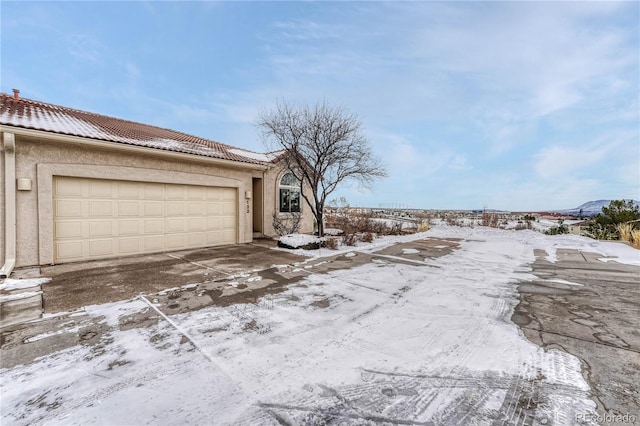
x=20 y=301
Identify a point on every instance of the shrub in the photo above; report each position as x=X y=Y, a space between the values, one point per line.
x=556 y=230
x=396 y=228
x=598 y=232
x=379 y=227
x=350 y=239
x=332 y=243
x=618 y=212
x=367 y=237
x=490 y=219
x=286 y=224
x=524 y=225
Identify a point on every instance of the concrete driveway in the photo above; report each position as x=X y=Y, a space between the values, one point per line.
x=75 y=285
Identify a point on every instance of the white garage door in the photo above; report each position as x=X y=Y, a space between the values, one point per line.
x=96 y=218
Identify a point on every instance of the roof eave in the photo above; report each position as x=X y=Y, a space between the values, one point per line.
x=21 y=131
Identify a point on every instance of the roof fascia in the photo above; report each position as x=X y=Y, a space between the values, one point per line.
x=20 y=131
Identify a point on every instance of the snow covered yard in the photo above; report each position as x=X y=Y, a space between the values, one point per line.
x=388 y=341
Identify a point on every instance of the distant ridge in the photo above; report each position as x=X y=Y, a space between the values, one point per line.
x=590 y=208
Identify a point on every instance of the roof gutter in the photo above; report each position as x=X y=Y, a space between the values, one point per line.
x=125 y=147
x=9 y=148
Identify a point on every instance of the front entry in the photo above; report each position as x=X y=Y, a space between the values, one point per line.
x=258 y=226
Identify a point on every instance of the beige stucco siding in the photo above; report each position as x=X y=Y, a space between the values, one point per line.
x=271 y=191
x=39 y=160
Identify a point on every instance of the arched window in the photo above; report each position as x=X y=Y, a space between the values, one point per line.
x=289 y=193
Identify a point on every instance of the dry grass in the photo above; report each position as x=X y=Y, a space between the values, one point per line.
x=635 y=238
x=625 y=230
x=424 y=226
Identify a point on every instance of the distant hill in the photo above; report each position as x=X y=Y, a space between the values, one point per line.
x=590 y=208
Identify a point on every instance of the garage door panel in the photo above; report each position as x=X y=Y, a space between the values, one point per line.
x=101 y=189
x=71 y=250
x=229 y=209
x=68 y=208
x=228 y=236
x=175 y=208
x=154 y=226
x=229 y=223
x=153 y=191
x=228 y=194
x=214 y=223
x=130 y=190
x=96 y=219
x=129 y=227
x=195 y=209
x=175 y=225
x=129 y=246
x=68 y=229
x=154 y=243
x=176 y=192
x=176 y=242
x=196 y=239
x=99 y=208
x=215 y=237
x=195 y=224
x=213 y=209
x=153 y=208
x=212 y=194
x=195 y=193
x=101 y=248
x=128 y=208
x=101 y=228
x=67 y=187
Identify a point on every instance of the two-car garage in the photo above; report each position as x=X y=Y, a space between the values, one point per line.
x=78 y=186
x=99 y=218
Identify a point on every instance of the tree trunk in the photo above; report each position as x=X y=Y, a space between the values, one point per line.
x=320 y=220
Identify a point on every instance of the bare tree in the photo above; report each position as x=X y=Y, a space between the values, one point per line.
x=324 y=146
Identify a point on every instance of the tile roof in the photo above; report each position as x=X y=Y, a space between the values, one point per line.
x=30 y=114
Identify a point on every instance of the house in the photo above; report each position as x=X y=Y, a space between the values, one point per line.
x=579 y=227
x=77 y=186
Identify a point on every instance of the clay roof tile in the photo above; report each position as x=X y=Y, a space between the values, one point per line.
x=31 y=114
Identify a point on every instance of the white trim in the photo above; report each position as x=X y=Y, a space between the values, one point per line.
x=9 y=142
x=279 y=185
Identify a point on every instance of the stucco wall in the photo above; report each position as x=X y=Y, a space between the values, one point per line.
x=39 y=160
x=271 y=182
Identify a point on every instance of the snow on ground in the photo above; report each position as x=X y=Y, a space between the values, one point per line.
x=299 y=240
x=11 y=284
x=386 y=341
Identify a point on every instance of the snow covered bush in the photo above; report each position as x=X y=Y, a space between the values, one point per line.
x=303 y=241
x=332 y=231
x=350 y=239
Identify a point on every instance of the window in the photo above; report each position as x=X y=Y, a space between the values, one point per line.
x=289 y=194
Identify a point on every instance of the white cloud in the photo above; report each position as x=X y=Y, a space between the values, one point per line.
x=559 y=161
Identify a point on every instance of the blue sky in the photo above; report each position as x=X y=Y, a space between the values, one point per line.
x=509 y=105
